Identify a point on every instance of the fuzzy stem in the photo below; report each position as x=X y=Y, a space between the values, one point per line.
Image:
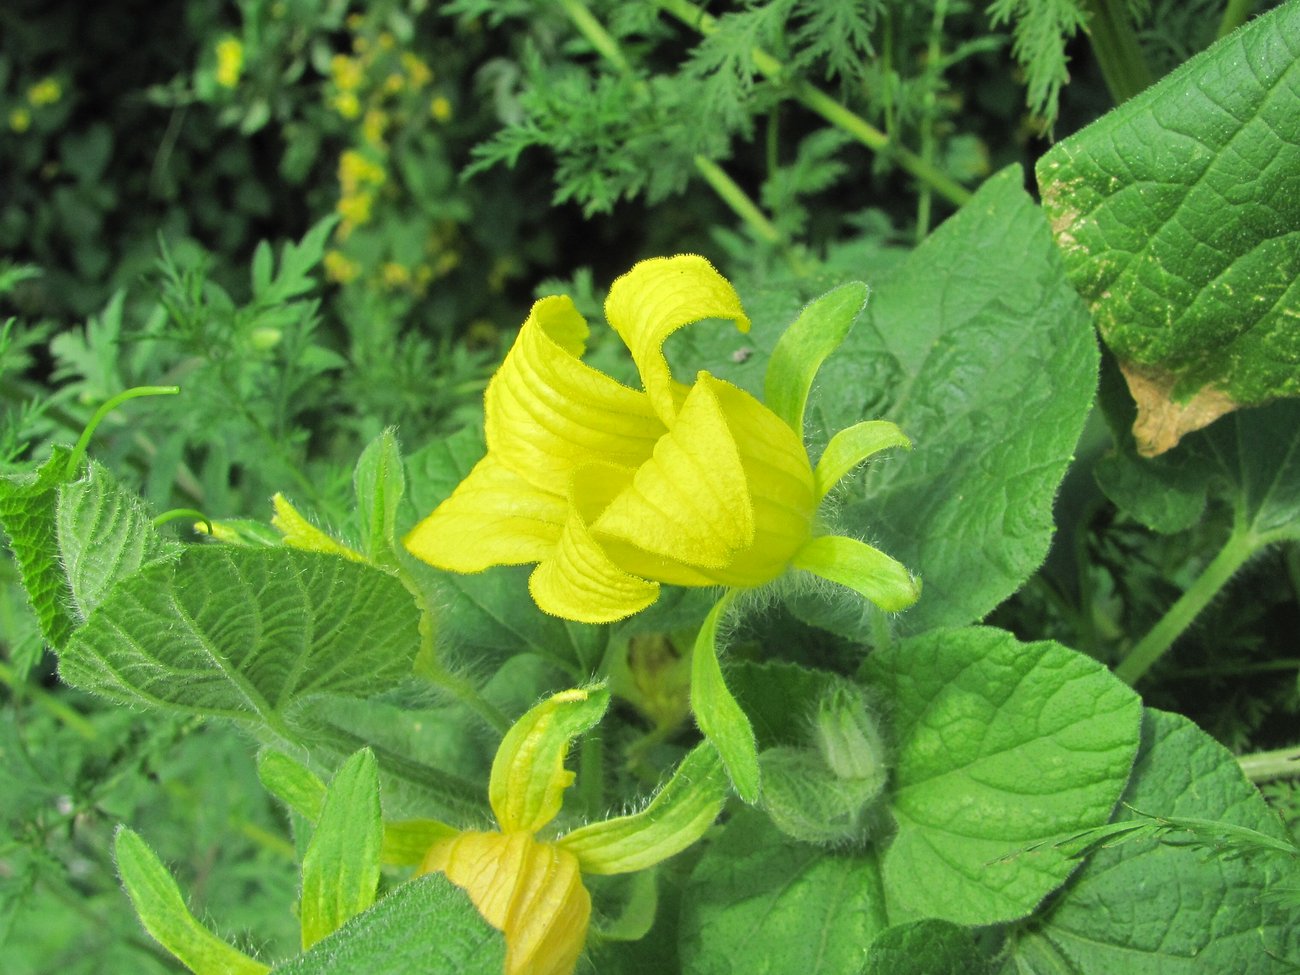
x=829 y=109
x=1114 y=42
x=1239 y=547
x=1236 y=13
x=1263 y=766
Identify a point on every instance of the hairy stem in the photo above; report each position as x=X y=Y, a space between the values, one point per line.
x=1263 y=766
x=829 y=109
x=1114 y=42
x=1239 y=547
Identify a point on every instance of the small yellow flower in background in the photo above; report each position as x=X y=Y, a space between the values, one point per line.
x=346 y=72
x=340 y=268
x=355 y=171
x=531 y=889
x=613 y=491
x=20 y=119
x=355 y=210
x=417 y=71
x=45 y=92
x=396 y=275
x=346 y=104
x=394 y=83
x=387 y=41
x=230 y=61
x=440 y=109
x=374 y=125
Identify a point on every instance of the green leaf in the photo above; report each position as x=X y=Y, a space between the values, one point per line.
x=1179 y=218
x=804 y=346
x=426 y=925
x=28 y=505
x=1146 y=906
x=245 y=633
x=105 y=534
x=764 y=905
x=676 y=817
x=981 y=352
x=158 y=902
x=293 y=783
x=340 y=872
x=927 y=947
x=380 y=481
x=716 y=711
x=780 y=698
x=997 y=744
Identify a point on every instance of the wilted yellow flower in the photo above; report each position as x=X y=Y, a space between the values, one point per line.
x=45 y=92
x=230 y=61
x=531 y=889
x=613 y=491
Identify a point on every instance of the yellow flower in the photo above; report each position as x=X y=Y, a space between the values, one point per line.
x=355 y=169
x=45 y=92
x=340 y=268
x=355 y=208
x=346 y=72
x=416 y=70
x=396 y=275
x=612 y=491
x=20 y=119
x=346 y=104
x=230 y=61
x=374 y=125
x=440 y=108
x=531 y=889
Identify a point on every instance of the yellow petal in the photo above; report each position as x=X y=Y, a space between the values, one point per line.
x=579 y=582
x=300 y=533
x=655 y=299
x=494 y=517
x=547 y=412
x=690 y=501
x=532 y=892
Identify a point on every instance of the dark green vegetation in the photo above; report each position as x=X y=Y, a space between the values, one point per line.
x=324 y=224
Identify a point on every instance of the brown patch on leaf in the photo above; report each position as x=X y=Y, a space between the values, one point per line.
x=1161 y=421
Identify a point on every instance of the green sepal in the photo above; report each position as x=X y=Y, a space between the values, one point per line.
x=677 y=816
x=851 y=446
x=161 y=908
x=528 y=774
x=863 y=568
x=340 y=872
x=379 y=481
x=716 y=711
x=804 y=346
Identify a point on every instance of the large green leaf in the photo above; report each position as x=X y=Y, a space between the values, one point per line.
x=926 y=948
x=424 y=926
x=1146 y=907
x=27 y=513
x=105 y=534
x=998 y=745
x=760 y=903
x=245 y=633
x=1179 y=218
x=982 y=353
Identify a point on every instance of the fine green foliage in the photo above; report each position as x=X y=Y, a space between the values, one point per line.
x=1176 y=215
x=1041 y=31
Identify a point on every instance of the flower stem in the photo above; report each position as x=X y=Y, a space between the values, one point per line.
x=829 y=109
x=1263 y=766
x=1239 y=547
x=1114 y=42
x=1236 y=13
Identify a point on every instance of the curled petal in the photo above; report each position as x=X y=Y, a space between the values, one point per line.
x=577 y=581
x=547 y=412
x=532 y=892
x=655 y=299
x=690 y=501
x=494 y=517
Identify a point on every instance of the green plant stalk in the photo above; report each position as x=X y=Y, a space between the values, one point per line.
x=1114 y=42
x=1239 y=547
x=739 y=201
x=47 y=702
x=1236 y=13
x=1264 y=766
x=79 y=451
x=829 y=109
x=595 y=33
